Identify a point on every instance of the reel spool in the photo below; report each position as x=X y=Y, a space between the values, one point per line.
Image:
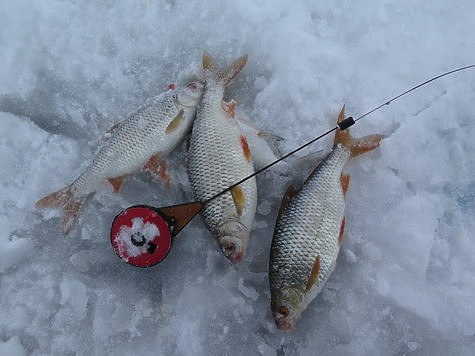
x=142 y=235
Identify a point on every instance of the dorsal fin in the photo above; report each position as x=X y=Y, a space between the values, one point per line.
x=290 y=193
x=313 y=274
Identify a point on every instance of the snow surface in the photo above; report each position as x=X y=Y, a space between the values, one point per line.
x=405 y=280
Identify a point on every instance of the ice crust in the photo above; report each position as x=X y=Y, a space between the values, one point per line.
x=405 y=280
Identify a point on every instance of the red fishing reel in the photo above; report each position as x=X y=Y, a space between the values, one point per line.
x=142 y=235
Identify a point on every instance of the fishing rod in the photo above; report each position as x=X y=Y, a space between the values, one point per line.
x=142 y=235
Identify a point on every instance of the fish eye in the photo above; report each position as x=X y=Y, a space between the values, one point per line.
x=192 y=86
x=230 y=247
x=283 y=311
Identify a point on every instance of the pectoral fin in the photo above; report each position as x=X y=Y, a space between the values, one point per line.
x=313 y=274
x=229 y=107
x=176 y=122
x=245 y=148
x=239 y=199
x=116 y=183
x=291 y=192
x=345 y=182
x=158 y=168
x=342 y=230
x=263 y=145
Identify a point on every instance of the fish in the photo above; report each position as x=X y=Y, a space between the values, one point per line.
x=219 y=156
x=309 y=230
x=141 y=141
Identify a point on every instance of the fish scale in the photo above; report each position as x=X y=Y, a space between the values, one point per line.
x=217 y=161
x=150 y=133
x=310 y=225
x=309 y=228
x=133 y=142
x=219 y=157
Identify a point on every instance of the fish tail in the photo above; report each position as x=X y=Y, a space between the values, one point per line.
x=65 y=200
x=211 y=70
x=356 y=146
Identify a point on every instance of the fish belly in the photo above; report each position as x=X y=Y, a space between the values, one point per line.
x=216 y=162
x=310 y=227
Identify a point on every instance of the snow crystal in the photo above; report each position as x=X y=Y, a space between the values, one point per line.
x=12 y=347
x=405 y=280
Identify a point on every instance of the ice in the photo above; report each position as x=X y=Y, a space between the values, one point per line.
x=12 y=347
x=405 y=280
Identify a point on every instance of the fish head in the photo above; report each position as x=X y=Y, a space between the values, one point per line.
x=287 y=305
x=233 y=238
x=190 y=94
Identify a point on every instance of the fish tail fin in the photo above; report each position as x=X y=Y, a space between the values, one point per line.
x=65 y=200
x=357 y=146
x=211 y=70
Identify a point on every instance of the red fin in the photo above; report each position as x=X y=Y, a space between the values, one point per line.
x=70 y=213
x=239 y=199
x=357 y=146
x=313 y=274
x=158 y=168
x=64 y=199
x=365 y=144
x=345 y=182
x=54 y=200
x=245 y=148
x=176 y=122
x=109 y=132
x=152 y=164
x=342 y=230
x=116 y=183
x=211 y=70
x=229 y=107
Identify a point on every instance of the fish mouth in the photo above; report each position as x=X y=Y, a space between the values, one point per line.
x=232 y=252
x=285 y=325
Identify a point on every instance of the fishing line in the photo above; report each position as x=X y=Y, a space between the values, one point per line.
x=349 y=121
x=169 y=221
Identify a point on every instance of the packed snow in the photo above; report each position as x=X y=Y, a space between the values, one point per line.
x=405 y=278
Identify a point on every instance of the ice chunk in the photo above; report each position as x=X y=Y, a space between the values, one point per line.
x=14 y=251
x=12 y=347
x=248 y=291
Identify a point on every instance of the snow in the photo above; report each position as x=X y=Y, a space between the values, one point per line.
x=405 y=280
x=145 y=232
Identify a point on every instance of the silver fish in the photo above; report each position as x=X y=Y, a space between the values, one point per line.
x=219 y=156
x=142 y=140
x=309 y=230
